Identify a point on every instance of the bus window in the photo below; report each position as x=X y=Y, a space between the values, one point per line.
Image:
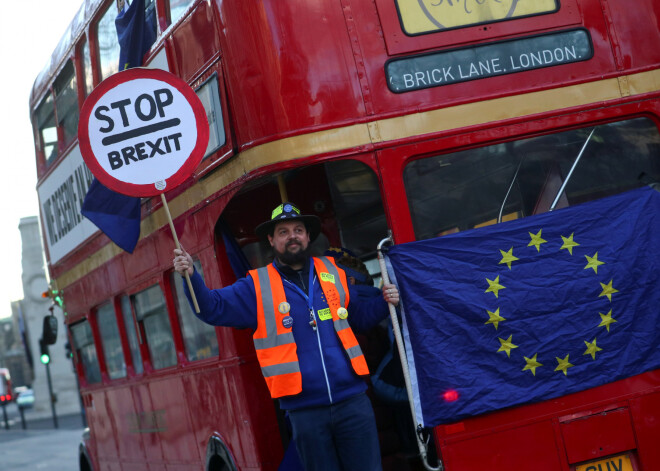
x=476 y=187
x=178 y=8
x=357 y=204
x=87 y=68
x=66 y=104
x=426 y=16
x=112 y=350
x=151 y=312
x=199 y=338
x=129 y=325
x=210 y=98
x=83 y=343
x=47 y=128
x=106 y=36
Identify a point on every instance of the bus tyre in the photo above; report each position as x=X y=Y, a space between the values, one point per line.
x=218 y=457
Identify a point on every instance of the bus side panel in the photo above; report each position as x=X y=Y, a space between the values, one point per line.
x=144 y=408
x=248 y=426
x=289 y=65
x=130 y=444
x=100 y=418
x=632 y=28
x=645 y=411
x=171 y=422
x=525 y=448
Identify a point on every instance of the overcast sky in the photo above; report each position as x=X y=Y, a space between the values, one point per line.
x=29 y=32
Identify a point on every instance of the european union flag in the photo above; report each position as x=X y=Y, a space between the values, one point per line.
x=532 y=309
x=136 y=32
x=116 y=215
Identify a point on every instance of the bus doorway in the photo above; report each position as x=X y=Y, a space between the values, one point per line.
x=346 y=196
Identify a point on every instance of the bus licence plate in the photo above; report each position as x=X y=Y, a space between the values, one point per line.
x=614 y=463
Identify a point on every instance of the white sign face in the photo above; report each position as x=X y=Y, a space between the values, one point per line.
x=142 y=132
x=61 y=196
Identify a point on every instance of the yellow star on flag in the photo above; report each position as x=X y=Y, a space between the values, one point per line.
x=569 y=243
x=593 y=262
x=508 y=257
x=536 y=240
x=506 y=346
x=592 y=348
x=608 y=290
x=532 y=364
x=606 y=320
x=563 y=365
x=494 y=286
x=494 y=317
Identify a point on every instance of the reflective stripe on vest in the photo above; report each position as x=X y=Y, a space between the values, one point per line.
x=274 y=344
x=337 y=296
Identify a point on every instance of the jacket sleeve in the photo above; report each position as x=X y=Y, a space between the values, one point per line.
x=366 y=310
x=232 y=306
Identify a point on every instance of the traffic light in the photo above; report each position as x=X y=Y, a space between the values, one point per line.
x=55 y=295
x=68 y=353
x=45 y=354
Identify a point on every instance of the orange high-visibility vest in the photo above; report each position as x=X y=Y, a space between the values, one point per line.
x=274 y=343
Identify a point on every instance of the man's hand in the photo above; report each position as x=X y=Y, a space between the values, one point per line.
x=183 y=262
x=391 y=294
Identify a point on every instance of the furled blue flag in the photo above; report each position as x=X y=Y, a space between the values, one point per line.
x=117 y=215
x=237 y=260
x=532 y=309
x=136 y=32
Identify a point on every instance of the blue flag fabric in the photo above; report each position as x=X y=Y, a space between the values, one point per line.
x=239 y=263
x=136 y=32
x=117 y=215
x=532 y=309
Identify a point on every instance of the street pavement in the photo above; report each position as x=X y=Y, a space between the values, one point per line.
x=40 y=445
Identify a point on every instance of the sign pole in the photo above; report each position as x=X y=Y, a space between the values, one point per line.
x=178 y=246
x=130 y=121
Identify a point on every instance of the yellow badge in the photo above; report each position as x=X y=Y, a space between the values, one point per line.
x=284 y=307
x=342 y=313
x=327 y=277
x=324 y=314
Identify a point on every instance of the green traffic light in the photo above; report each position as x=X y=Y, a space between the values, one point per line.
x=57 y=297
x=45 y=359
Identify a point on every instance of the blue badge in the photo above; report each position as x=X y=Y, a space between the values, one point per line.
x=287 y=322
x=288 y=208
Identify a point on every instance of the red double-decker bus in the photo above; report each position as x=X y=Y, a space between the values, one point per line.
x=418 y=117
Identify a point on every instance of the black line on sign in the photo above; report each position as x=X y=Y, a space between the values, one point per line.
x=122 y=136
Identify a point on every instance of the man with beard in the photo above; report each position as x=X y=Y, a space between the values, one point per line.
x=302 y=311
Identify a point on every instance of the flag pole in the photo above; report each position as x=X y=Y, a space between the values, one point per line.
x=178 y=246
x=423 y=452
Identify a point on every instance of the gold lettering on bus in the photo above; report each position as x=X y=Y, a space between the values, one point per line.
x=147 y=421
x=425 y=16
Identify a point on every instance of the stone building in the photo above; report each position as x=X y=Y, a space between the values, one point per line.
x=34 y=307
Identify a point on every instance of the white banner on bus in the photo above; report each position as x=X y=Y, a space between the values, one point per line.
x=61 y=196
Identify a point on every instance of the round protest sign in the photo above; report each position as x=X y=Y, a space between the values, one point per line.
x=142 y=132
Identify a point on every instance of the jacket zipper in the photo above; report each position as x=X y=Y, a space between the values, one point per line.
x=325 y=373
x=315 y=326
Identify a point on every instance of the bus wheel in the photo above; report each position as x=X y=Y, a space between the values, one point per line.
x=218 y=457
x=84 y=464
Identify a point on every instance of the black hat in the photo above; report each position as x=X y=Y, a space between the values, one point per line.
x=289 y=212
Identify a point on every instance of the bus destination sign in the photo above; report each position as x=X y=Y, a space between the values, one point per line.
x=490 y=60
x=143 y=131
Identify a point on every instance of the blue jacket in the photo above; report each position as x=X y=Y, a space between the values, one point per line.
x=327 y=375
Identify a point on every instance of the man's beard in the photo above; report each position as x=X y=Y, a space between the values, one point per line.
x=289 y=258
